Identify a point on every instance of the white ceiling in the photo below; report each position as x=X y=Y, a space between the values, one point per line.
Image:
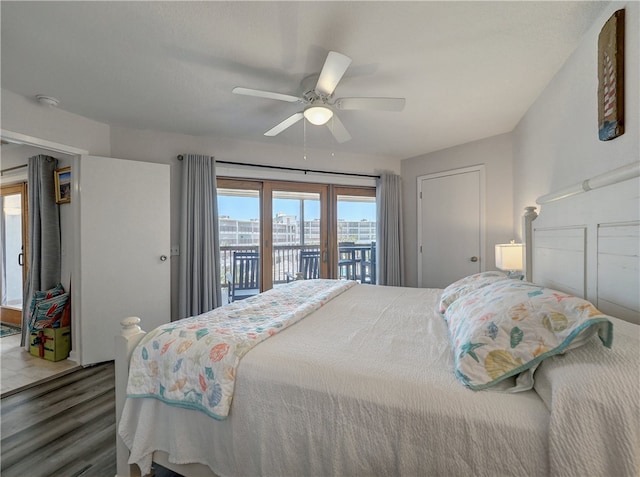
x=467 y=69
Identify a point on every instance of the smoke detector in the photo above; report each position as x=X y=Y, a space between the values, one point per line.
x=47 y=100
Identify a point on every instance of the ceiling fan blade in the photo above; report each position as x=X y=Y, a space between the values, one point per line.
x=376 y=104
x=338 y=130
x=266 y=94
x=290 y=121
x=334 y=68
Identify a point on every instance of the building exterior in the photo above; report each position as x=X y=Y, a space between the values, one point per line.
x=287 y=231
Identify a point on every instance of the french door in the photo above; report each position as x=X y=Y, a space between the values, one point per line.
x=281 y=220
x=13 y=266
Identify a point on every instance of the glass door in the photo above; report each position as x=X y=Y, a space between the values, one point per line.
x=356 y=230
x=294 y=230
x=239 y=219
x=13 y=231
x=299 y=235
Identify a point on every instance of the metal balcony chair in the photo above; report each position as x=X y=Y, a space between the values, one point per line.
x=347 y=261
x=309 y=265
x=244 y=279
x=368 y=265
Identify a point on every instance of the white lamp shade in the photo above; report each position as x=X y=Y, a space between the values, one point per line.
x=509 y=256
x=318 y=115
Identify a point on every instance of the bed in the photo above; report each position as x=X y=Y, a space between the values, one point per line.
x=367 y=383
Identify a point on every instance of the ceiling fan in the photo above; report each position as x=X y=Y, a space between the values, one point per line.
x=317 y=98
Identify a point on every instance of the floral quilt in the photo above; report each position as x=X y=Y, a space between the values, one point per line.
x=192 y=363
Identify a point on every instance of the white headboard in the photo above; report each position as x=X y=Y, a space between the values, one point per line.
x=588 y=244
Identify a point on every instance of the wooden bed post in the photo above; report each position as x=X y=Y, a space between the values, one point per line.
x=124 y=344
x=527 y=233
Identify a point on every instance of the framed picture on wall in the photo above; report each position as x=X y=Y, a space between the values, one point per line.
x=611 y=78
x=63 y=185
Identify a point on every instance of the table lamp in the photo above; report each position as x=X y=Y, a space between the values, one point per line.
x=509 y=258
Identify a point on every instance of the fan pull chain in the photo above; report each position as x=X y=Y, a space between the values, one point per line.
x=304 y=139
x=332 y=126
x=332 y=130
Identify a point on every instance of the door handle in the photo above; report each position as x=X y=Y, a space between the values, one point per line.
x=21 y=259
x=163 y=258
x=474 y=259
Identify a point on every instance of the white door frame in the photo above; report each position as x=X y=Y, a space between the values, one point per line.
x=41 y=143
x=480 y=168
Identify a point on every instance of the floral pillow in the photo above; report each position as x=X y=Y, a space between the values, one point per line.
x=507 y=328
x=44 y=295
x=48 y=312
x=468 y=284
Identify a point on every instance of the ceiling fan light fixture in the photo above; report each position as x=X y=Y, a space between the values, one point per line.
x=318 y=115
x=318 y=101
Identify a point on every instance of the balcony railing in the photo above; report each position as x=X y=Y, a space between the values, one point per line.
x=286 y=259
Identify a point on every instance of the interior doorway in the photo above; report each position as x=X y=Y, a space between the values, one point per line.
x=20 y=369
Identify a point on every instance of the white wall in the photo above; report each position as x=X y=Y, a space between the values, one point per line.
x=496 y=154
x=26 y=116
x=556 y=143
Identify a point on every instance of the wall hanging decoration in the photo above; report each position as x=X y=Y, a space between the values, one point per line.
x=63 y=185
x=611 y=78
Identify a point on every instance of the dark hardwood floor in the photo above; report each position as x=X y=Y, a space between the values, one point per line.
x=62 y=427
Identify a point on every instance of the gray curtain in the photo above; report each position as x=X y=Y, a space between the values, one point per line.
x=3 y=253
x=44 y=233
x=199 y=290
x=390 y=250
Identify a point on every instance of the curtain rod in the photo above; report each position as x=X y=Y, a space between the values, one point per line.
x=13 y=168
x=295 y=169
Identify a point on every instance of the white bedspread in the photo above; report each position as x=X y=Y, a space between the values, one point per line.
x=594 y=396
x=363 y=386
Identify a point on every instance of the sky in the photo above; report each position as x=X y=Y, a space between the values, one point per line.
x=245 y=208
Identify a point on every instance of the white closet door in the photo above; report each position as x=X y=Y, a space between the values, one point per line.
x=451 y=226
x=124 y=251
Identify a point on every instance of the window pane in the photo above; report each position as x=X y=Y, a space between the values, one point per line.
x=11 y=292
x=296 y=228
x=356 y=237
x=239 y=229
